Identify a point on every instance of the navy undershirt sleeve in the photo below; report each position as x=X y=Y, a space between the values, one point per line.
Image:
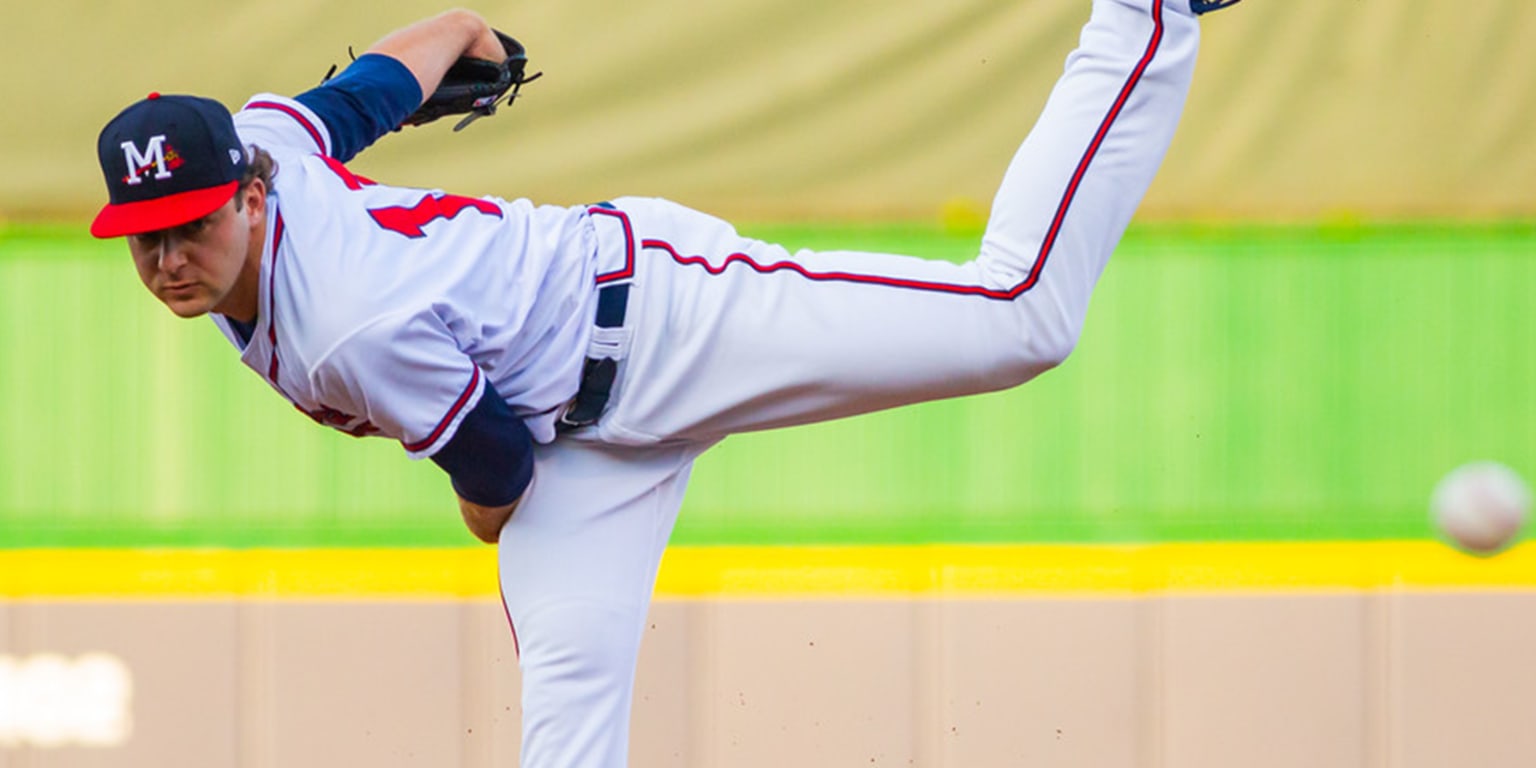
x=490 y=458
x=370 y=98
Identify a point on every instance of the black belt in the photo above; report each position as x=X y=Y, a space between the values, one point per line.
x=597 y=373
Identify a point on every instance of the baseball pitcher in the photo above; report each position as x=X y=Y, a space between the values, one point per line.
x=565 y=366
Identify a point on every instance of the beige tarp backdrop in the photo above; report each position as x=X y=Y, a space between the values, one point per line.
x=788 y=108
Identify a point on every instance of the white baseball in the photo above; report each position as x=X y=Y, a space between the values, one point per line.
x=1481 y=506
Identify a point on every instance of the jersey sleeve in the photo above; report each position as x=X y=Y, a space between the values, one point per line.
x=370 y=98
x=490 y=457
x=404 y=374
x=339 y=118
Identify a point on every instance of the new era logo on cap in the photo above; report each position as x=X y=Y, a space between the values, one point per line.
x=167 y=160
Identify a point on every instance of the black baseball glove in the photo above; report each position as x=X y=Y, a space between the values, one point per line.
x=474 y=87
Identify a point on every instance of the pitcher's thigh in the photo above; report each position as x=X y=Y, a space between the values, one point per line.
x=739 y=335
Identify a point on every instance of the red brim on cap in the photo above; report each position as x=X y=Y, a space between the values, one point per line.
x=161 y=212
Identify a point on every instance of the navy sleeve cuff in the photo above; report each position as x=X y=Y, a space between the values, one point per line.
x=490 y=457
x=370 y=98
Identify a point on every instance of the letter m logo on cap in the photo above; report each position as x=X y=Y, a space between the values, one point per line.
x=139 y=162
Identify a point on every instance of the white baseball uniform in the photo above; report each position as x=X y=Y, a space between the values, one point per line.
x=386 y=311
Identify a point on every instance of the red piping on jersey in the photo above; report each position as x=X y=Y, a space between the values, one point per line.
x=277 y=242
x=1046 y=244
x=469 y=391
x=314 y=133
x=628 y=269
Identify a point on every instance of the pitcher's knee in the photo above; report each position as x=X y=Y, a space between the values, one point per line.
x=578 y=663
x=1054 y=351
x=581 y=634
x=1026 y=365
x=1039 y=347
x=580 y=651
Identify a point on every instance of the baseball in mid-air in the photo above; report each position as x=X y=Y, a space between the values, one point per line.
x=1481 y=507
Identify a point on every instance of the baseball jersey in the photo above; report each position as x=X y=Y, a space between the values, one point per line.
x=388 y=310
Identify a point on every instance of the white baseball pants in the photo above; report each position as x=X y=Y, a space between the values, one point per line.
x=725 y=334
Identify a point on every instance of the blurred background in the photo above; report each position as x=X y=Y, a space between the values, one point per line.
x=1321 y=308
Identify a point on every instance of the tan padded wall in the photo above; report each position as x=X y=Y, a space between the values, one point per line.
x=798 y=108
x=1380 y=679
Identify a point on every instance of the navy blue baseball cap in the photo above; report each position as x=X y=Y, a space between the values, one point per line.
x=168 y=160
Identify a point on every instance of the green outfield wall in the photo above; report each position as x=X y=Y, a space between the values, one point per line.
x=1232 y=383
